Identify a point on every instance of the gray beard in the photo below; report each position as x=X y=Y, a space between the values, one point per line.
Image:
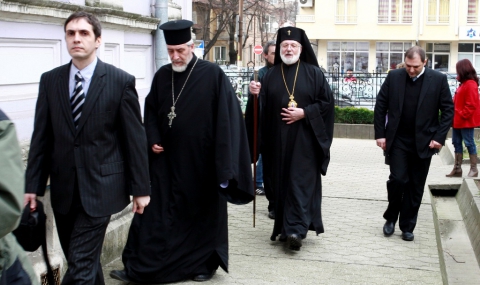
x=179 y=68
x=289 y=61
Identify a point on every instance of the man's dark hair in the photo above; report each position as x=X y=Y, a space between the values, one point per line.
x=410 y=53
x=350 y=69
x=267 y=45
x=90 y=18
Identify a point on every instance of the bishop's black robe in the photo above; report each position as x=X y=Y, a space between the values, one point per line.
x=183 y=231
x=296 y=155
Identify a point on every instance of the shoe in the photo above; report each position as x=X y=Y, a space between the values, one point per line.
x=120 y=275
x=282 y=238
x=271 y=215
x=295 y=242
x=203 y=277
x=260 y=191
x=389 y=228
x=407 y=236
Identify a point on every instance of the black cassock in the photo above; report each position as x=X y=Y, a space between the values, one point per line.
x=183 y=231
x=296 y=155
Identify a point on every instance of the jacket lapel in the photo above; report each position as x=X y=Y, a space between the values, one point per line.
x=64 y=96
x=94 y=91
x=401 y=90
x=427 y=80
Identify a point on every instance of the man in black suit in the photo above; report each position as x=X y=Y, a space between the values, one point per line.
x=413 y=97
x=89 y=139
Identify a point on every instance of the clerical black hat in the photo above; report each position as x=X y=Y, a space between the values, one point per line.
x=177 y=32
x=299 y=35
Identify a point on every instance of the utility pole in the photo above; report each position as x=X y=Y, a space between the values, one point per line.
x=161 y=12
x=240 y=32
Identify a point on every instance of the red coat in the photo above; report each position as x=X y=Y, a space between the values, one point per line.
x=467 y=106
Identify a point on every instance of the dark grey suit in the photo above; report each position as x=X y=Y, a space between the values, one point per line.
x=93 y=169
x=410 y=155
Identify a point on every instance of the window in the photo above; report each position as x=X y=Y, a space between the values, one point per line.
x=438 y=11
x=220 y=54
x=344 y=55
x=271 y=24
x=438 y=55
x=219 y=21
x=472 y=17
x=389 y=54
x=395 y=11
x=346 y=11
x=470 y=51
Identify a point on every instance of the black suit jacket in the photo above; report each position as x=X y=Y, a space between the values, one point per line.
x=434 y=96
x=107 y=152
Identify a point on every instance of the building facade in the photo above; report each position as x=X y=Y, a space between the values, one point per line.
x=372 y=35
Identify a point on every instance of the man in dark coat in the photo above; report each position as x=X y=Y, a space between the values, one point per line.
x=297 y=116
x=199 y=160
x=266 y=189
x=89 y=139
x=412 y=97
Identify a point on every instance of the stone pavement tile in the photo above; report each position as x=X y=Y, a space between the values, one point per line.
x=353 y=249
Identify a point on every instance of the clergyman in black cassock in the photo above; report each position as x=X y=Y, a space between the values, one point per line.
x=183 y=233
x=296 y=140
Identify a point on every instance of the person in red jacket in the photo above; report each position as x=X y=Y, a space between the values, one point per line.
x=466 y=117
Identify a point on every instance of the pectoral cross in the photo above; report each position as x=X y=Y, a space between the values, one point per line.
x=288 y=32
x=171 y=116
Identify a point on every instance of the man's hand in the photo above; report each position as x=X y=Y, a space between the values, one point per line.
x=382 y=143
x=139 y=203
x=157 y=148
x=434 y=144
x=291 y=115
x=32 y=199
x=254 y=87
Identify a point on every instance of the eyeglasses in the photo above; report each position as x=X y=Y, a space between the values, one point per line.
x=293 y=46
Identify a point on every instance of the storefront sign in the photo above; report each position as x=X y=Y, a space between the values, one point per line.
x=469 y=33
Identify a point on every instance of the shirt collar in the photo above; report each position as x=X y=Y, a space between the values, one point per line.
x=86 y=73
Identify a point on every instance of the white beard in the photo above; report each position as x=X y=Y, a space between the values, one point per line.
x=291 y=60
x=179 y=68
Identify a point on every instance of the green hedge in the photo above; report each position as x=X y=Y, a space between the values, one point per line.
x=352 y=115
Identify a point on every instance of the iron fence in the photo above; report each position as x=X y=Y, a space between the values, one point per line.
x=359 y=90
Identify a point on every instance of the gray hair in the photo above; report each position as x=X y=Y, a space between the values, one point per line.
x=267 y=45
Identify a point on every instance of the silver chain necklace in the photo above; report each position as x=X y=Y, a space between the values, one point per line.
x=172 y=114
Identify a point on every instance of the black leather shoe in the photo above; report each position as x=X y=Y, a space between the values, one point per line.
x=120 y=275
x=271 y=215
x=203 y=277
x=295 y=242
x=407 y=236
x=389 y=228
x=282 y=238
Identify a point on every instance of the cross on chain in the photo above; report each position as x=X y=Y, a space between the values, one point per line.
x=171 y=116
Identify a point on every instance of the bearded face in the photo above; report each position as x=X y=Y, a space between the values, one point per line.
x=290 y=51
x=180 y=55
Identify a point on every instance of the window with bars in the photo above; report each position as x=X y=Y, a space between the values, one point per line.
x=346 y=12
x=220 y=53
x=472 y=16
x=395 y=11
x=389 y=54
x=438 y=11
x=342 y=56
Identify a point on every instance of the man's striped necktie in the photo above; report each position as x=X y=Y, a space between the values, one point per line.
x=77 y=99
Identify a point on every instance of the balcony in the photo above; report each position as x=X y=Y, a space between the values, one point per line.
x=345 y=19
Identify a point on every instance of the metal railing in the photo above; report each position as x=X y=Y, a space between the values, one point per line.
x=360 y=90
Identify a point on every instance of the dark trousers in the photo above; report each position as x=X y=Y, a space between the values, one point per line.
x=408 y=174
x=81 y=237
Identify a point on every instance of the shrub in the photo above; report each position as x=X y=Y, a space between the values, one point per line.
x=352 y=115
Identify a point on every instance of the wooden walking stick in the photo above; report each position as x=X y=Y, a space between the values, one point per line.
x=255 y=129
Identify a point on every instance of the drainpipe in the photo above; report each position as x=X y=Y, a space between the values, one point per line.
x=161 y=55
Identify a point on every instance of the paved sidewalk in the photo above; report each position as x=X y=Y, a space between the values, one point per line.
x=353 y=249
